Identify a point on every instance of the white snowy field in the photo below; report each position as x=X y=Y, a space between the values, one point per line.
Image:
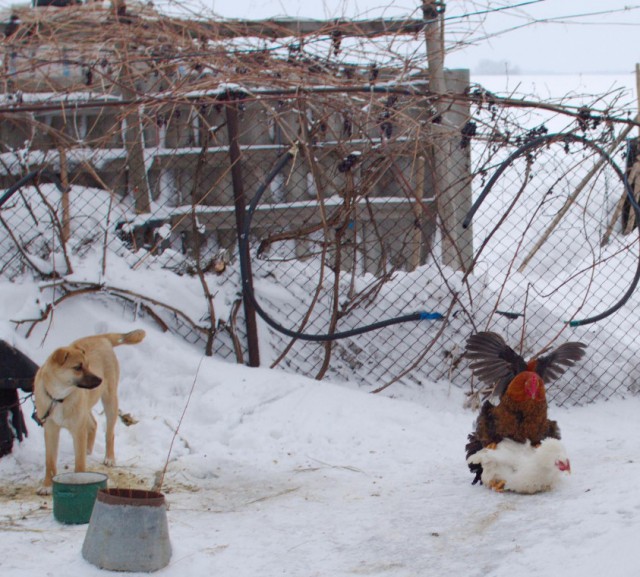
x=273 y=474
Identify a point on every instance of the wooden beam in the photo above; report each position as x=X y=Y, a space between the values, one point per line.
x=282 y=28
x=289 y=27
x=292 y=215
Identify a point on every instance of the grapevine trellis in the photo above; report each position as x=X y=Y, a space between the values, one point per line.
x=309 y=188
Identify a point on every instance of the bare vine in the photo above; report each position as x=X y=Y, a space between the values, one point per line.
x=129 y=110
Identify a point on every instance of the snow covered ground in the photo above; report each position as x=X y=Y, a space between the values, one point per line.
x=272 y=474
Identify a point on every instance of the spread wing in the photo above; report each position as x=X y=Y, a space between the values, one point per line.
x=551 y=366
x=493 y=361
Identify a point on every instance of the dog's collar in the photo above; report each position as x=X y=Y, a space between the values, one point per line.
x=41 y=420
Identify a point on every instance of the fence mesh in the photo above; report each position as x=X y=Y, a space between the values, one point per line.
x=137 y=190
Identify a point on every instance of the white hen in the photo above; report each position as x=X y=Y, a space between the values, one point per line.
x=522 y=468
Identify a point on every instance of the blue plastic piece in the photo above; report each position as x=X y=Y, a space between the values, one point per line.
x=424 y=316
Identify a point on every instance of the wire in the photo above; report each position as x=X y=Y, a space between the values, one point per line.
x=559 y=20
x=567 y=137
x=247 y=284
x=492 y=10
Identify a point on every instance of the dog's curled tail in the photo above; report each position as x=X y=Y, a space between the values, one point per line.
x=132 y=338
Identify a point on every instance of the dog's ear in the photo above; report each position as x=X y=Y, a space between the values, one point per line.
x=59 y=356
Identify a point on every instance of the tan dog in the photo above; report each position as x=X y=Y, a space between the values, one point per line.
x=68 y=385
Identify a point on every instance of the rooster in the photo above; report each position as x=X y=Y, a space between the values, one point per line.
x=521 y=412
x=521 y=467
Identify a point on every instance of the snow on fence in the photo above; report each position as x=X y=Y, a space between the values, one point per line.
x=147 y=178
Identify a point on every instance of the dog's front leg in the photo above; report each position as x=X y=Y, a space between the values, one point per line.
x=51 y=440
x=91 y=434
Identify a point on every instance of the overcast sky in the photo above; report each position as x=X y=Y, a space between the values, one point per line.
x=562 y=40
x=537 y=36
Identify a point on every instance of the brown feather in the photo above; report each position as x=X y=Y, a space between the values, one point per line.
x=521 y=420
x=521 y=415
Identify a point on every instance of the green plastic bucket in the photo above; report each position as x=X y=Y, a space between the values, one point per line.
x=74 y=495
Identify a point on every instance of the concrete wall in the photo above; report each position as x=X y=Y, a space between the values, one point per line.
x=378 y=180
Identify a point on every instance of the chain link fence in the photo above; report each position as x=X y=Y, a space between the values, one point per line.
x=262 y=223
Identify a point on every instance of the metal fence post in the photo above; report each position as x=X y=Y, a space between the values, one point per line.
x=240 y=207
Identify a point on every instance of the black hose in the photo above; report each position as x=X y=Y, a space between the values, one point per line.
x=247 y=285
x=568 y=137
x=636 y=277
x=530 y=145
x=28 y=178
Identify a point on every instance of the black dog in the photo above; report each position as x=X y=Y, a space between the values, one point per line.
x=16 y=372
